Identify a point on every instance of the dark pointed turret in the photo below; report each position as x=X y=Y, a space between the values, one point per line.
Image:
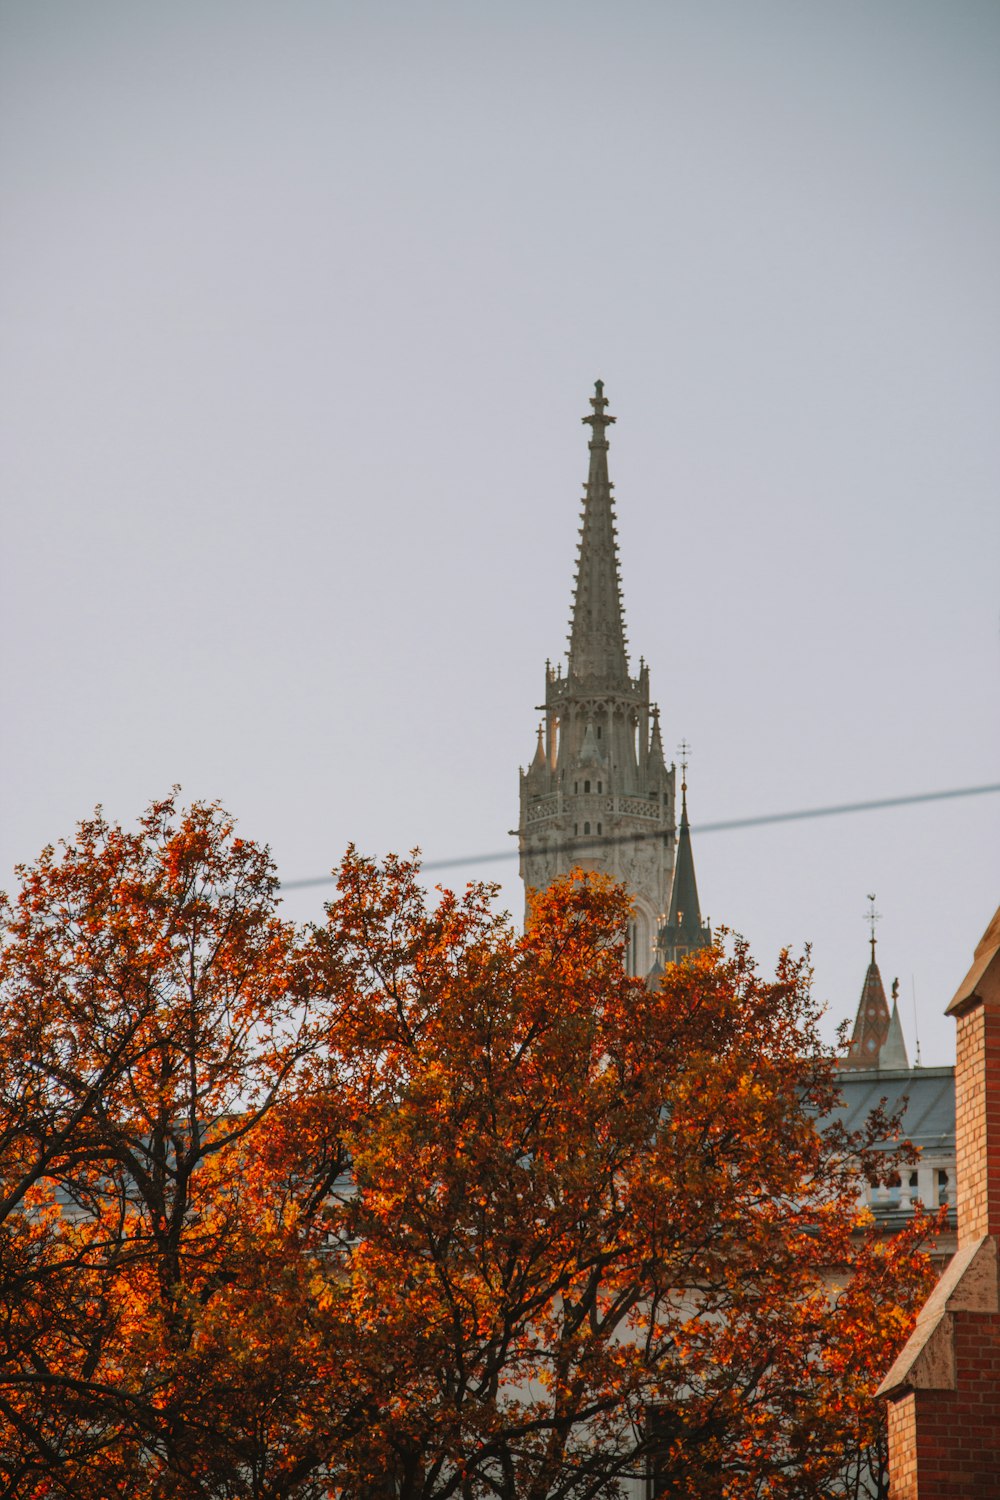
x=893 y=1053
x=597 y=649
x=684 y=908
x=683 y=931
x=877 y=1038
x=871 y=1024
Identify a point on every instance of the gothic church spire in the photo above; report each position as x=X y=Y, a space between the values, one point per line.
x=597 y=647
x=597 y=794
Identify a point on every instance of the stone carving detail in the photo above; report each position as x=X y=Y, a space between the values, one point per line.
x=639 y=807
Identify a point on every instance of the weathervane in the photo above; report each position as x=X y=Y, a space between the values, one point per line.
x=872 y=917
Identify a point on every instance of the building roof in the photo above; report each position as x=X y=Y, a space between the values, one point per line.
x=929 y=1117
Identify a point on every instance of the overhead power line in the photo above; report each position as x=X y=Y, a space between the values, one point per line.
x=584 y=845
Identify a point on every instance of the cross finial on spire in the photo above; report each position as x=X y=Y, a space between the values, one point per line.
x=684 y=751
x=872 y=917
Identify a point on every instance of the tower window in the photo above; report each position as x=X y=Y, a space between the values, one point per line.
x=576 y=787
x=600 y=786
x=586 y=786
x=586 y=827
x=598 y=731
x=576 y=828
x=598 y=827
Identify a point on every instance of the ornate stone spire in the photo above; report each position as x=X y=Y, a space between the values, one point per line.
x=598 y=795
x=597 y=649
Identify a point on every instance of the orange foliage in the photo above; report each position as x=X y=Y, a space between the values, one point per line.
x=408 y=1202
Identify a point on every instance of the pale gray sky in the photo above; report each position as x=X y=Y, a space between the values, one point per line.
x=302 y=305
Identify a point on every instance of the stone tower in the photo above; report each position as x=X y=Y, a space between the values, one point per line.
x=598 y=793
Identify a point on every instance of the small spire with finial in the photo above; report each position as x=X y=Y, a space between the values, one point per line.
x=655 y=738
x=872 y=917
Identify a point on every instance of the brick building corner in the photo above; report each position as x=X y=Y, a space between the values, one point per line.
x=944 y=1389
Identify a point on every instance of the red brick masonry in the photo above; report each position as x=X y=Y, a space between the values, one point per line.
x=944 y=1389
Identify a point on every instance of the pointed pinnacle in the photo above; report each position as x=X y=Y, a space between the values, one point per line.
x=597 y=632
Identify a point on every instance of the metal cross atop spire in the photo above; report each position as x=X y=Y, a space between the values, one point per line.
x=684 y=751
x=872 y=917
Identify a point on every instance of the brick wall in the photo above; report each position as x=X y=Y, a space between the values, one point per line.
x=945 y=1445
x=944 y=1389
x=977 y=1119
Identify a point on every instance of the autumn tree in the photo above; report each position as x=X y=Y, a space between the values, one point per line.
x=407 y=1203
x=598 y=1227
x=150 y=1024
